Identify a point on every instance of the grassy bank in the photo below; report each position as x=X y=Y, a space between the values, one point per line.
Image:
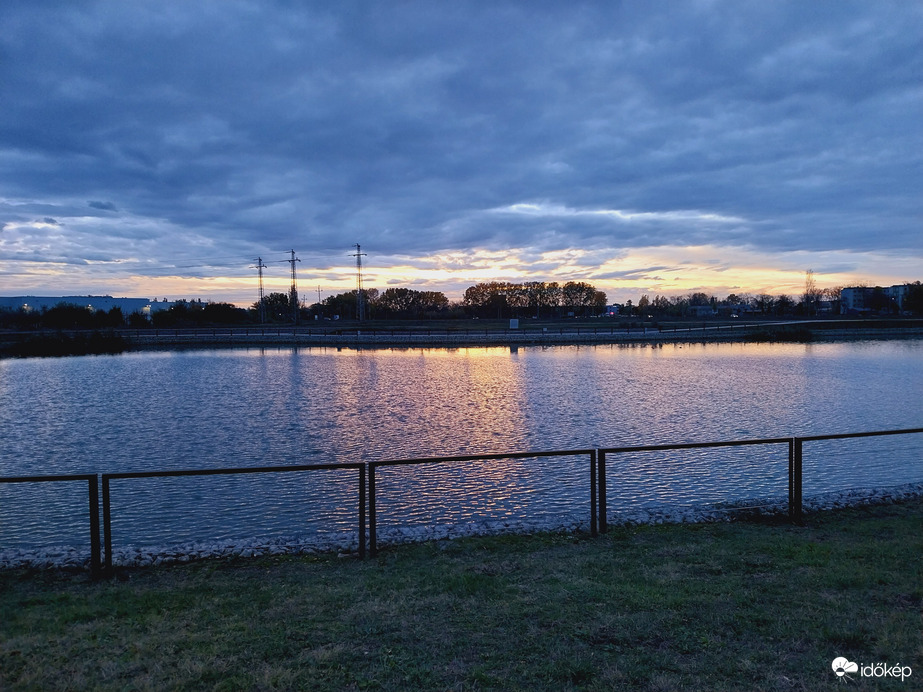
x=742 y=606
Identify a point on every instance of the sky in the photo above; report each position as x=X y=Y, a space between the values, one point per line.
x=158 y=148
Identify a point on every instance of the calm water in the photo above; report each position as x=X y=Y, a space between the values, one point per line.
x=245 y=407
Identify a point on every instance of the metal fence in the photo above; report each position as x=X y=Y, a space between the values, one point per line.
x=373 y=511
x=92 y=482
x=107 y=479
x=367 y=496
x=794 y=474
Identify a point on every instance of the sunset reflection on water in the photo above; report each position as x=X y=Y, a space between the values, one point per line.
x=281 y=406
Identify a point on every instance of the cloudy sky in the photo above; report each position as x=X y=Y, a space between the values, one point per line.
x=157 y=148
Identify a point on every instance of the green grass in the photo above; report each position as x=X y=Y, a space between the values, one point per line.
x=742 y=606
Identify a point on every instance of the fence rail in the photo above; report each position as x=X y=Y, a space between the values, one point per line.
x=92 y=482
x=367 y=494
x=373 y=516
x=794 y=478
x=107 y=478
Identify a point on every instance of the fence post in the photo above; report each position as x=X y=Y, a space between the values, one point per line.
x=373 y=531
x=798 y=476
x=601 y=462
x=107 y=525
x=795 y=452
x=95 y=557
x=593 y=506
x=791 y=478
x=362 y=512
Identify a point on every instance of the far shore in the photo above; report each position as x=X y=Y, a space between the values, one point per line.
x=494 y=333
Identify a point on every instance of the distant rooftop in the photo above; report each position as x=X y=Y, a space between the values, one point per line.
x=105 y=303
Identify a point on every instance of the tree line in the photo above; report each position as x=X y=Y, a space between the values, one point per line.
x=534 y=299
x=68 y=316
x=812 y=302
x=488 y=300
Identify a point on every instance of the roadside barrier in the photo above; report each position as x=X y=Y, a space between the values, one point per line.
x=367 y=495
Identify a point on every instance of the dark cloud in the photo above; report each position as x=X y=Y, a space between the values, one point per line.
x=255 y=127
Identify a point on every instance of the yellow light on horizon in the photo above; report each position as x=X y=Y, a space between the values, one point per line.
x=621 y=274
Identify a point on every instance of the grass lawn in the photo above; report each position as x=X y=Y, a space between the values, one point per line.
x=744 y=606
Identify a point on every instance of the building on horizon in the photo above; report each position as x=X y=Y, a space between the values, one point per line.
x=861 y=299
x=145 y=306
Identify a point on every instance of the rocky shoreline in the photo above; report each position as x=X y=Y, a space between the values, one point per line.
x=346 y=543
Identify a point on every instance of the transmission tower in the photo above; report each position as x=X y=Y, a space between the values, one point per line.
x=293 y=292
x=360 y=294
x=262 y=304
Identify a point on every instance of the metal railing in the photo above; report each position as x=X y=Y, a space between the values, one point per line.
x=797 y=455
x=107 y=479
x=92 y=482
x=367 y=496
x=373 y=510
x=794 y=475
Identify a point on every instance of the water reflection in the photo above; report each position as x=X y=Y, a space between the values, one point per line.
x=170 y=510
x=277 y=406
x=531 y=489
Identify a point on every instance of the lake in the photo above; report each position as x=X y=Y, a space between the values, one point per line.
x=280 y=406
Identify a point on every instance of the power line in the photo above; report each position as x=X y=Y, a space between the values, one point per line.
x=360 y=296
x=262 y=304
x=293 y=295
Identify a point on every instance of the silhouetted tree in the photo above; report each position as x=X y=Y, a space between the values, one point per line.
x=812 y=294
x=661 y=305
x=765 y=303
x=582 y=298
x=699 y=299
x=408 y=303
x=136 y=320
x=488 y=299
x=277 y=307
x=542 y=296
x=535 y=298
x=344 y=304
x=68 y=316
x=222 y=313
x=834 y=296
x=784 y=305
x=880 y=301
x=913 y=301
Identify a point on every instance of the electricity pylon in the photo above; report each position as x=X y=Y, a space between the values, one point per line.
x=261 y=306
x=360 y=294
x=293 y=292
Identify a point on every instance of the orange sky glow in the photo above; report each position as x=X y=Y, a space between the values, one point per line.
x=627 y=275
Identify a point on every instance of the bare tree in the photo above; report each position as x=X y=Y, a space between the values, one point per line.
x=812 y=294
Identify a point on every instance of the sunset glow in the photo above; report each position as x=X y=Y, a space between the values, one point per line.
x=599 y=145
